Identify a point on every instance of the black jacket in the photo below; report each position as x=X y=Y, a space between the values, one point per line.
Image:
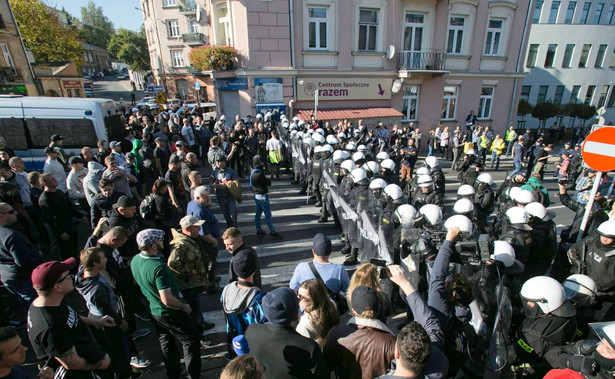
x=17 y=255
x=133 y=225
x=259 y=182
x=102 y=206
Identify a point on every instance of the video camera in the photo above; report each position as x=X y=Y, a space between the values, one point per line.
x=474 y=252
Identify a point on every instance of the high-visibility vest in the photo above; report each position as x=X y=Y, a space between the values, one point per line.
x=510 y=135
x=484 y=141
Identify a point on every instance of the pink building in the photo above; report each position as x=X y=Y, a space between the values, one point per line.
x=451 y=57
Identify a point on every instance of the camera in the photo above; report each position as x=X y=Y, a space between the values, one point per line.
x=475 y=251
x=383 y=270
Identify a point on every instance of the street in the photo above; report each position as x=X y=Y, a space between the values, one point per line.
x=111 y=88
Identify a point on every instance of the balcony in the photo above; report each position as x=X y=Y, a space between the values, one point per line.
x=10 y=74
x=187 y=7
x=195 y=39
x=429 y=60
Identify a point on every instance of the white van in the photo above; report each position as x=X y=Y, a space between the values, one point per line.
x=28 y=122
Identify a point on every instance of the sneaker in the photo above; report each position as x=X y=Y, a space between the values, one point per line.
x=143 y=317
x=137 y=362
x=140 y=333
x=260 y=233
x=276 y=235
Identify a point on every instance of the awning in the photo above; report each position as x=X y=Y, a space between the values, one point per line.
x=349 y=113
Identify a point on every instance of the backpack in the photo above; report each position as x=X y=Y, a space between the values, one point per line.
x=147 y=209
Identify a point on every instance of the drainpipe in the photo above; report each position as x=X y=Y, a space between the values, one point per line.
x=292 y=44
x=530 y=6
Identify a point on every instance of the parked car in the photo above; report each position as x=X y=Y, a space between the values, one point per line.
x=122 y=76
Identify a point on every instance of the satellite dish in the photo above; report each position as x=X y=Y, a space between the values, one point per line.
x=198 y=13
x=396 y=86
x=390 y=52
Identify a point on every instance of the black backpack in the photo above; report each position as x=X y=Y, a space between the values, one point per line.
x=147 y=209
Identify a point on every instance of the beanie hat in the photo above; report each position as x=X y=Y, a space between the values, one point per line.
x=281 y=306
x=244 y=264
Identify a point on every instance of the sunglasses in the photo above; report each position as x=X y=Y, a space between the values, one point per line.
x=71 y=276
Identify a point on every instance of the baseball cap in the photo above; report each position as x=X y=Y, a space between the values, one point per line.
x=130 y=155
x=365 y=299
x=148 y=237
x=112 y=144
x=45 y=275
x=321 y=245
x=221 y=158
x=125 y=202
x=179 y=143
x=56 y=137
x=190 y=220
x=75 y=160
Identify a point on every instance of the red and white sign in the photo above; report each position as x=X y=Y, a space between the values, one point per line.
x=599 y=149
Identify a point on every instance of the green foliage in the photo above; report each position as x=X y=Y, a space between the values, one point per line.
x=524 y=108
x=131 y=47
x=544 y=111
x=586 y=111
x=96 y=29
x=45 y=35
x=208 y=58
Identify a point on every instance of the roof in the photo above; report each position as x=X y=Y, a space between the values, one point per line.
x=349 y=113
x=93 y=47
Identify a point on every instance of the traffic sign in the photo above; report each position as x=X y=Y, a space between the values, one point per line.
x=155 y=88
x=197 y=85
x=599 y=149
x=160 y=98
x=160 y=109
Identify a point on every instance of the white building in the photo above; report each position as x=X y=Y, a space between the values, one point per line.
x=571 y=55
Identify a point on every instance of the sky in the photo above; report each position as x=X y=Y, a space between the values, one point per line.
x=121 y=13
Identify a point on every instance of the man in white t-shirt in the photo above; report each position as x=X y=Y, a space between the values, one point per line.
x=188 y=134
x=274 y=147
x=55 y=168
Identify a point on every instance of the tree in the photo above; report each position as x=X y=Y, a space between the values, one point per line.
x=45 y=35
x=131 y=47
x=586 y=112
x=544 y=111
x=96 y=29
x=524 y=108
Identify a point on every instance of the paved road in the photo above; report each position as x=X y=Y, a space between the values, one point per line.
x=296 y=221
x=111 y=88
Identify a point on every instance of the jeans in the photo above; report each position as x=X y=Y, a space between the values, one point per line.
x=193 y=298
x=430 y=151
x=518 y=168
x=179 y=325
x=263 y=206
x=495 y=157
x=510 y=145
x=229 y=210
x=24 y=292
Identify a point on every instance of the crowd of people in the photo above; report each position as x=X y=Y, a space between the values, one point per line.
x=488 y=289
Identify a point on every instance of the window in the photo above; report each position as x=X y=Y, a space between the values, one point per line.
x=531 y=55
x=8 y=58
x=455 y=35
x=449 y=102
x=195 y=27
x=609 y=16
x=224 y=26
x=584 y=55
x=413 y=41
x=585 y=13
x=598 y=14
x=610 y=103
x=559 y=94
x=554 y=12
x=317 y=28
x=169 y=3
x=574 y=94
x=600 y=56
x=368 y=28
x=410 y=102
x=537 y=10
x=76 y=132
x=494 y=33
x=77 y=92
x=542 y=94
x=572 y=6
x=2 y=24
x=603 y=94
x=177 y=57
x=568 y=55
x=550 y=55
x=69 y=92
x=612 y=63
x=486 y=100
x=173 y=28
x=590 y=94
x=525 y=93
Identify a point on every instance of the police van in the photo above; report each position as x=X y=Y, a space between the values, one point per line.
x=28 y=122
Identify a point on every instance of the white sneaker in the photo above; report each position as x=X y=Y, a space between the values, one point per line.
x=137 y=362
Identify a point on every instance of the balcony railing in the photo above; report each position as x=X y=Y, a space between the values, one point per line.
x=187 y=7
x=421 y=60
x=10 y=74
x=195 y=39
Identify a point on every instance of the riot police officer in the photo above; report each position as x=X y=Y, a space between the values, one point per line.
x=470 y=167
x=359 y=196
x=544 y=238
x=484 y=200
x=436 y=174
x=518 y=232
x=427 y=194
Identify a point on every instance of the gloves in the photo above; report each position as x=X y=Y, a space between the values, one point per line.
x=582 y=364
x=585 y=347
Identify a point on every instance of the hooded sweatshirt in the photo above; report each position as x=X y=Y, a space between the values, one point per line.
x=90 y=182
x=242 y=307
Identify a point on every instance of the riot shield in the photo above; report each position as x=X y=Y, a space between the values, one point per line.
x=368 y=244
x=497 y=356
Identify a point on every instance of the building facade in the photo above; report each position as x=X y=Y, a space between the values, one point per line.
x=16 y=76
x=450 y=57
x=59 y=79
x=571 y=56
x=95 y=60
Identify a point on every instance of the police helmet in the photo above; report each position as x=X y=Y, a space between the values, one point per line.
x=465 y=190
x=296 y=119
x=320 y=131
x=470 y=152
x=331 y=140
x=351 y=146
x=432 y=213
x=423 y=171
x=341 y=136
x=318 y=138
x=223 y=118
x=371 y=166
x=512 y=192
x=542 y=295
x=259 y=116
x=340 y=156
x=431 y=161
x=463 y=207
x=485 y=178
x=518 y=217
x=293 y=133
x=607 y=229
x=268 y=116
x=310 y=132
x=300 y=134
x=348 y=165
x=301 y=123
x=523 y=197
x=460 y=221
x=424 y=181
x=358 y=174
x=405 y=214
x=505 y=253
x=356 y=132
x=361 y=148
x=388 y=164
x=393 y=191
x=536 y=209
x=285 y=124
x=382 y=155
x=327 y=148
x=580 y=289
x=358 y=156
x=318 y=149
x=293 y=126
x=307 y=140
x=377 y=183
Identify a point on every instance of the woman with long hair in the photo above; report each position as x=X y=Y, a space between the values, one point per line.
x=367 y=275
x=319 y=312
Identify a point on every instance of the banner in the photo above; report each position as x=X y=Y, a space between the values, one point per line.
x=268 y=90
x=345 y=88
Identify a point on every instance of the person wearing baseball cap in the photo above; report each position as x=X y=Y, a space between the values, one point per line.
x=170 y=314
x=56 y=330
x=74 y=181
x=57 y=142
x=55 y=167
